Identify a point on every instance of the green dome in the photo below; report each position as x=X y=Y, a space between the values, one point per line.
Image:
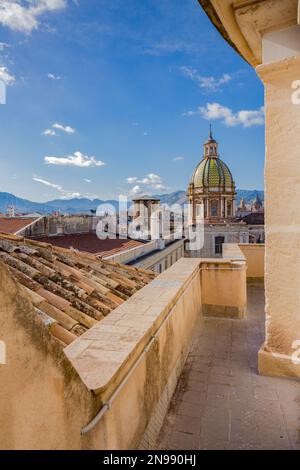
x=212 y=172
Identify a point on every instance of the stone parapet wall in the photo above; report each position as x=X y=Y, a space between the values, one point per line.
x=255 y=258
x=223 y=282
x=126 y=367
x=59 y=225
x=136 y=350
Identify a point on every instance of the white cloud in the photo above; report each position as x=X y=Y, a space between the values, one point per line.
x=145 y=133
x=24 y=16
x=59 y=127
x=6 y=76
x=178 y=159
x=51 y=76
x=3 y=45
x=77 y=159
x=149 y=182
x=135 y=190
x=149 y=179
x=87 y=180
x=132 y=179
x=66 y=129
x=71 y=195
x=47 y=183
x=210 y=84
x=64 y=193
x=215 y=111
x=49 y=132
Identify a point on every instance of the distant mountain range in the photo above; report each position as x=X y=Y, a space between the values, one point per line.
x=179 y=197
x=83 y=205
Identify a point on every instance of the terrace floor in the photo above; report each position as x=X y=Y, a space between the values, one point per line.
x=221 y=402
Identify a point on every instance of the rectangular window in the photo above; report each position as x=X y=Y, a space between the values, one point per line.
x=219 y=245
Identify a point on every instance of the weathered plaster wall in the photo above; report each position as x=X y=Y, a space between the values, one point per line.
x=282 y=275
x=54 y=225
x=44 y=403
x=171 y=305
x=46 y=397
x=42 y=400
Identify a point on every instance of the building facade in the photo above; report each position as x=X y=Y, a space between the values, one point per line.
x=211 y=195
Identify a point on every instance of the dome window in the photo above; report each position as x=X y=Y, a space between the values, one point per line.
x=214 y=209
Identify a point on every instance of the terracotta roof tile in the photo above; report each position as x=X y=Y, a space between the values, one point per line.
x=70 y=291
x=13 y=225
x=90 y=243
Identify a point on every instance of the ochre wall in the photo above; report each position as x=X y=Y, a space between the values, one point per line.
x=44 y=403
x=39 y=391
x=171 y=304
x=224 y=292
x=282 y=274
x=46 y=397
x=255 y=258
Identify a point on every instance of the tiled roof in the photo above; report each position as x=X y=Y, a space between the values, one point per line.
x=212 y=172
x=15 y=224
x=90 y=243
x=70 y=291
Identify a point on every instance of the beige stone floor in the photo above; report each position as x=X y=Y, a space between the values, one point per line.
x=221 y=402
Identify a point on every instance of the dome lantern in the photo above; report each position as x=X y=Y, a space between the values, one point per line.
x=211 y=146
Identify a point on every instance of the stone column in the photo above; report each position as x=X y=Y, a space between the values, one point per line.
x=233 y=208
x=279 y=355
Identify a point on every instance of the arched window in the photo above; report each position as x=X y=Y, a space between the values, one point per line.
x=214 y=208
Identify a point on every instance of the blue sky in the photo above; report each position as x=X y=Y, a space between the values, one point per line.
x=115 y=97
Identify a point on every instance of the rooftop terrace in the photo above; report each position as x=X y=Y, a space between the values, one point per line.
x=221 y=402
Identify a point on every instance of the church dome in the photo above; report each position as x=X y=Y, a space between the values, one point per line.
x=212 y=172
